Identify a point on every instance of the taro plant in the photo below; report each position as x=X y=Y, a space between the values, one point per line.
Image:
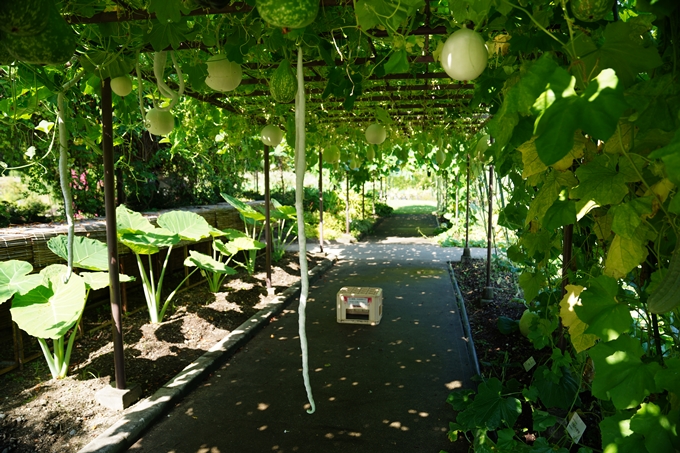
x=282 y=233
x=215 y=268
x=48 y=305
x=253 y=221
x=143 y=238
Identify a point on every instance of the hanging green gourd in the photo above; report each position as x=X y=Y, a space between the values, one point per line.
x=464 y=55
x=271 y=135
x=591 y=10
x=331 y=154
x=300 y=168
x=283 y=85
x=288 y=13
x=159 y=120
x=370 y=154
x=122 y=85
x=223 y=75
x=376 y=134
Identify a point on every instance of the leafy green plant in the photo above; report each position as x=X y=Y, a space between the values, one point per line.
x=50 y=304
x=144 y=239
x=215 y=268
x=253 y=221
x=282 y=232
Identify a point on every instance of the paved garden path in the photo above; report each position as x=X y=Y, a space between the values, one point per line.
x=377 y=389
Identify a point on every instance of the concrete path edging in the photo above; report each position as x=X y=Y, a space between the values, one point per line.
x=466 y=322
x=122 y=434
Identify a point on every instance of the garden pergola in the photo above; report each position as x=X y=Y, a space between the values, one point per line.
x=578 y=110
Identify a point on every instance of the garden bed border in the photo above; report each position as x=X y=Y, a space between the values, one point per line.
x=466 y=322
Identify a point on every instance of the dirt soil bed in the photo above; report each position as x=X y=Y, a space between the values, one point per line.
x=39 y=415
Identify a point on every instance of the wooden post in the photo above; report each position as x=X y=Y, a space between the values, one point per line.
x=488 y=290
x=466 y=250
x=267 y=221
x=111 y=234
x=347 y=205
x=320 y=200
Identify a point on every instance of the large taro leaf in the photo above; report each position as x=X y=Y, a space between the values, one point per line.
x=89 y=254
x=51 y=309
x=489 y=409
x=207 y=263
x=245 y=210
x=100 y=280
x=187 y=225
x=14 y=279
x=660 y=430
x=150 y=242
x=621 y=374
x=241 y=241
x=128 y=221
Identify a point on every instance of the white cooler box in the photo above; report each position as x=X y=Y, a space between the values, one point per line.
x=359 y=305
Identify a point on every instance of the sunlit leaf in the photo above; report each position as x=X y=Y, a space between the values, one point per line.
x=187 y=225
x=14 y=279
x=90 y=254
x=624 y=255
x=605 y=315
x=579 y=339
x=50 y=310
x=621 y=375
x=660 y=430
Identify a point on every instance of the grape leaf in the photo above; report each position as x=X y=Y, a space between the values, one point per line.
x=545 y=198
x=534 y=78
x=617 y=435
x=624 y=255
x=622 y=50
x=669 y=377
x=670 y=155
x=556 y=127
x=397 y=63
x=621 y=375
x=531 y=283
x=602 y=105
x=605 y=316
x=579 y=339
x=628 y=216
x=660 y=430
x=166 y=10
x=489 y=409
x=600 y=181
x=561 y=213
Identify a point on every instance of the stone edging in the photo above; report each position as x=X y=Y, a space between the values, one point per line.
x=466 y=322
x=123 y=433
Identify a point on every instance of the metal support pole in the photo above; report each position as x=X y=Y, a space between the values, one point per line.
x=488 y=290
x=466 y=250
x=267 y=221
x=111 y=234
x=320 y=200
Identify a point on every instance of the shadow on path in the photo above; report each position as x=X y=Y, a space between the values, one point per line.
x=377 y=389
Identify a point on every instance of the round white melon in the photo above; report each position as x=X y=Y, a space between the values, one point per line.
x=122 y=85
x=223 y=75
x=271 y=135
x=375 y=134
x=160 y=122
x=464 y=55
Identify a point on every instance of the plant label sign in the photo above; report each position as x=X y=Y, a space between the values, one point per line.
x=576 y=427
x=530 y=363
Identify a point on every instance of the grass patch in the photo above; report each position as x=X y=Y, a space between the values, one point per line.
x=412 y=206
